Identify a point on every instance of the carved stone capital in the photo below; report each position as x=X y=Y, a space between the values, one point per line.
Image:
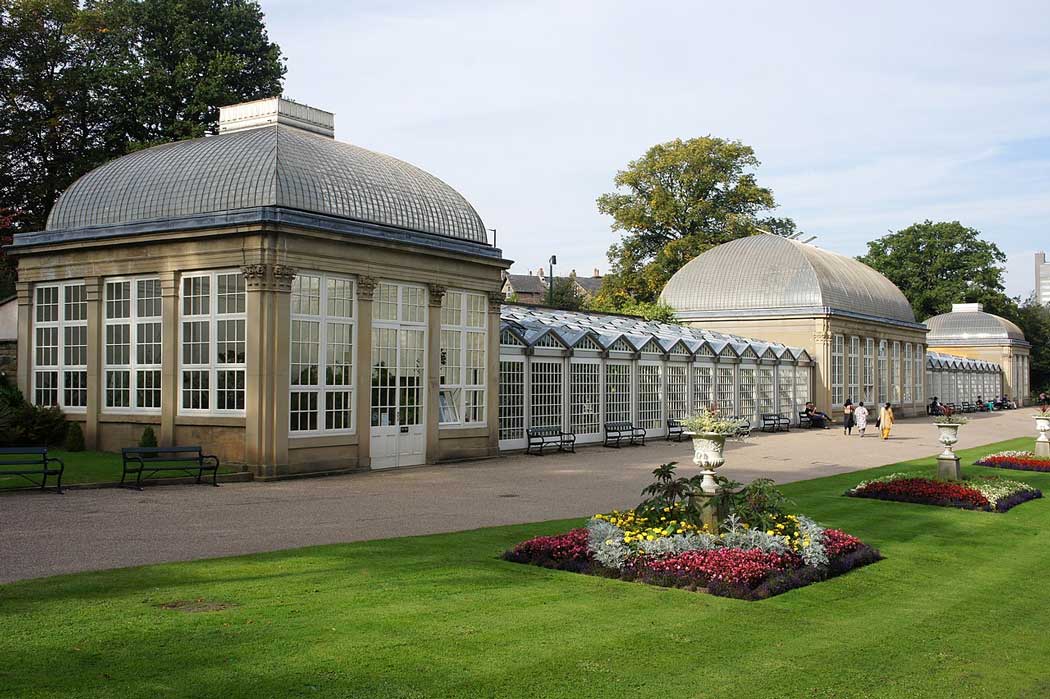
x=366 y=288
x=496 y=300
x=268 y=277
x=283 y=276
x=436 y=294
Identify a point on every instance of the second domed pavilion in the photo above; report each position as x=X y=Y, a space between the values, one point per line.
x=855 y=323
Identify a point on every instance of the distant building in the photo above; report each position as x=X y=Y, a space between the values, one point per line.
x=1042 y=278
x=533 y=288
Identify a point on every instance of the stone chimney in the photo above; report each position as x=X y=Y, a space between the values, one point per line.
x=597 y=274
x=539 y=273
x=275 y=110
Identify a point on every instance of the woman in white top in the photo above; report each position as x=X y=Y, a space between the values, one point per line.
x=860 y=418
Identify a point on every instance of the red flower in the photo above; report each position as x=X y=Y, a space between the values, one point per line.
x=571 y=546
x=837 y=543
x=1024 y=463
x=733 y=566
x=923 y=490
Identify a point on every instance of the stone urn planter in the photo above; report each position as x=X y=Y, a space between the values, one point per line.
x=949 y=435
x=708 y=454
x=1042 y=442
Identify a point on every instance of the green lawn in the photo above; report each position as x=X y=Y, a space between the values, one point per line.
x=86 y=467
x=960 y=608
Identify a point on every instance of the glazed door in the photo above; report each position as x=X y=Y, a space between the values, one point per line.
x=398 y=424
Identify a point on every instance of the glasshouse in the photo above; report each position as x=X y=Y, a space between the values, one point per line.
x=960 y=380
x=302 y=305
x=577 y=371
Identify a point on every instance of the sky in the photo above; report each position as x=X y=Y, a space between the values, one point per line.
x=866 y=117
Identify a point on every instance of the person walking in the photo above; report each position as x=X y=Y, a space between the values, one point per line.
x=860 y=418
x=847 y=417
x=886 y=420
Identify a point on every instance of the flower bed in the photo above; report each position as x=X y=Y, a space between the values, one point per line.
x=988 y=493
x=662 y=549
x=1017 y=460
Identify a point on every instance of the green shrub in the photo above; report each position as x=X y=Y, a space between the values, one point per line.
x=26 y=425
x=149 y=439
x=74 y=437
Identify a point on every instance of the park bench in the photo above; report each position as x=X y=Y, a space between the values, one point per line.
x=618 y=431
x=969 y=407
x=774 y=422
x=26 y=462
x=674 y=429
x=151 y=460
x=743 y=426
x=540 y=437
x=804 y=421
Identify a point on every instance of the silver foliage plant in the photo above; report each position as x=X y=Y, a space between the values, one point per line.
x=736 y=535
x=605 y=540
x=813 y=554
x=678 y=543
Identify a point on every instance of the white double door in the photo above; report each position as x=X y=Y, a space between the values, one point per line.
x=398 y=413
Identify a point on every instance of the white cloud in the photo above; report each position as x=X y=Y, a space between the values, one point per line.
x=866 y=118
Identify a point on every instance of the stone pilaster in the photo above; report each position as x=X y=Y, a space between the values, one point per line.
x=169 y=357
x=366 y=287
x=25 y=338
x=435 y=295
x=93 y=293
x=822 y=341
x=496 y=299
x=268 y=306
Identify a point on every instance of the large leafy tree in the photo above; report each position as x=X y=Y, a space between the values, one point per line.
x=1034 y=319
x=675 y=202
x=938 y=264
x=81 y=83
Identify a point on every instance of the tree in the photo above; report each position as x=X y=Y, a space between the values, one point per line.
x=938 y=264
x=650 y=310
x=188 y=58
x=52 y=123
x=1034 y=319
x=82 y=83
x=677 y=201
x=565 y=295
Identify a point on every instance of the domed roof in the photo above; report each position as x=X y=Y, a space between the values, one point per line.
x=270 y=166
x=776 y=276
x=968 y=324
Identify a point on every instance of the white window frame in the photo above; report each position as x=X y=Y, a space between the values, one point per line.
x=579 y=406
x=883 y=374
x=322 y=389
x=853 y=392
x=458 y=323
x=895 y=374
x=645 y=415
x=133 y=366
x=212 y=367
x=868 y=392
x=60 y=324
x=838 y=368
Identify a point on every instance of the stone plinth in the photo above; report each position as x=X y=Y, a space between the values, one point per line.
x=948 y=468
x=712 y=516
x=1042 y=449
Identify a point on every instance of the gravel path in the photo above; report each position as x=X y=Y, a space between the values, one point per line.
x=45 y=534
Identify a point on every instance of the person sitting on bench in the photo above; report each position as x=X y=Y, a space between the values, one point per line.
x=934 y=408
x=817 y=418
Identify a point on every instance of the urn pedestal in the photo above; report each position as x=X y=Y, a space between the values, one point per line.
x=1042 y=443
x=948 y=466
x=712 y=514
